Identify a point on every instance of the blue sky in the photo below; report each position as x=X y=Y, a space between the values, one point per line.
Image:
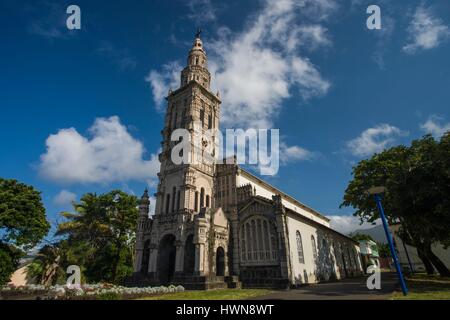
x=82 y=110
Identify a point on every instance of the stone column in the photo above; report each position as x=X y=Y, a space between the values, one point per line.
x=234 y=234
x=199 y=258
x=159 y=201
x=138 y=259
x=283 y=238
x=226 y=271
x=179 y=258
x=152 y=265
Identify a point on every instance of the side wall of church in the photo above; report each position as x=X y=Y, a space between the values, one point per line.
x=320 y=254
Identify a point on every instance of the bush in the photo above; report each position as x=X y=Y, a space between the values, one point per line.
x=108 y=296
x=88 y=291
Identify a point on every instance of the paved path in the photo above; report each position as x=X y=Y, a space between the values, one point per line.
x=347 y=289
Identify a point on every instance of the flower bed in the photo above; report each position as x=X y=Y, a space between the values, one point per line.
x=84 y=292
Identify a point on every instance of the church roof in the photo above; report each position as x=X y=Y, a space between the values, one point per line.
x=284 y=195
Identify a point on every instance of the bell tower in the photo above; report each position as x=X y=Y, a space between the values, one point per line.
x=188 y=187
x=188 y=241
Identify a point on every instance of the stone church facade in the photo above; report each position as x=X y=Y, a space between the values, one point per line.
x=217 y=225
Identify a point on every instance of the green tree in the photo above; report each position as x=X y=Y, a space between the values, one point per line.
x=9 y=260
x=46 y=267
x=361 y=237
x=22 y=223
x=383 y=250
x=100 y=235
x=417 y=179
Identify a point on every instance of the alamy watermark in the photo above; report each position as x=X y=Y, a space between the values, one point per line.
x=73 y=22
x=259 y=147
x=374 y=280
x=74 y=279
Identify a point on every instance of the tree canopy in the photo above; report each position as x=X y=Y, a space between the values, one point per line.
x=361 y=237
x=22 y=215
x=23 y=223
x=417 y=181
x=99 y=235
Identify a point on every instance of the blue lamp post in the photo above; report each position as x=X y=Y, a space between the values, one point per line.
x=376 y=192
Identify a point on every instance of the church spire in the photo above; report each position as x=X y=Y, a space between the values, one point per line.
x=197 y=64
x=198 y=34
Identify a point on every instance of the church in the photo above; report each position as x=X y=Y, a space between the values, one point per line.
x=217 y=225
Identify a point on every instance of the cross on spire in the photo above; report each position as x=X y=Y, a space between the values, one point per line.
x=198 y=34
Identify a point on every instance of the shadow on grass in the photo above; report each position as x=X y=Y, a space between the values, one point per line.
x=425 y=289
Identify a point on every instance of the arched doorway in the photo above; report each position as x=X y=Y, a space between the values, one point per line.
x=166 y=259
x=145 y=257
x=189 y=255
x=220 y=262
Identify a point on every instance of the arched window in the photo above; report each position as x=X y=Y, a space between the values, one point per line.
x=258 y=242
x=314 y=248
x=301 y=257
x=145 y=257
x=174 y=194
x=202 y=197
x=243 y=247
x=178 y=199
x=167 y=203
x=202 y=116
x=207 y=201
x=196 y=202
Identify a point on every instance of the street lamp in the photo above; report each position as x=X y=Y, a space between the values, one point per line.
x=376 y=192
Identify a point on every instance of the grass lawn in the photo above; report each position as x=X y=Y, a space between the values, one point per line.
x=222 y=294
x=425 y=287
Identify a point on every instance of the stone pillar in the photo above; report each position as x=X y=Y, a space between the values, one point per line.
x=200 y=227
x=159 y=201
x=199 y=259
x=226 y=271
x=138 y=259
x=234 y=234
x=283 y=238
x=179 y=258
x=152 y=265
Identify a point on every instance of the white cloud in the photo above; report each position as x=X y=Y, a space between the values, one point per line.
x=425 y=31
x=47 y=19
x=257 y=68
x=110 y=154
x=161 y=82
x=374 y=140
x=348 y=223
x=294 y=153
x=64 y=198
x=435 y=126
